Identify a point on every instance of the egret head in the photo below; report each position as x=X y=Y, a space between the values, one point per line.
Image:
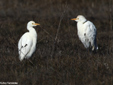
x=80 y=18
x=32 y=24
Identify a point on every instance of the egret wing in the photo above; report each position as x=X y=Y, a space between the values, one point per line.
x=24 y=45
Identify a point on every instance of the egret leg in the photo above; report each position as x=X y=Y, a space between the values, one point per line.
x=93 y=48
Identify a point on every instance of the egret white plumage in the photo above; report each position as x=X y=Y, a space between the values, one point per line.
x=86 y=31
x=27 y=43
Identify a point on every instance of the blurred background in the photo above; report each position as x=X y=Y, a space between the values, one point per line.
x=60 y=57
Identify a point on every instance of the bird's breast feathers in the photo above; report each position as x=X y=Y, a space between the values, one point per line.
x=86 y=30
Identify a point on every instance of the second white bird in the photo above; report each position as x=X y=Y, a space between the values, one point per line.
x=86 y=32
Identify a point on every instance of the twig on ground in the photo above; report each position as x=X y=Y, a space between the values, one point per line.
x=56 y=37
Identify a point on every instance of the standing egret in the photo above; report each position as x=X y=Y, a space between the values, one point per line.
x=27 y=43
x=86 y=32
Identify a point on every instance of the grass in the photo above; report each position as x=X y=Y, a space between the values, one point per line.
x=71 y=64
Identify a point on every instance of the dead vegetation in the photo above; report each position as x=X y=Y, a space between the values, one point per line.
x=61 y=61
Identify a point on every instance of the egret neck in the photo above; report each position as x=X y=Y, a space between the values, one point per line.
x=32 y=31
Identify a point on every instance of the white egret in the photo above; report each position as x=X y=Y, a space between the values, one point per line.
x=27 y=43
x=86 y=32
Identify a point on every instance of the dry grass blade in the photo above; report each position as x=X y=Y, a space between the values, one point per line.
x=47 y=32
x=110 y=14
x=56 y=37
